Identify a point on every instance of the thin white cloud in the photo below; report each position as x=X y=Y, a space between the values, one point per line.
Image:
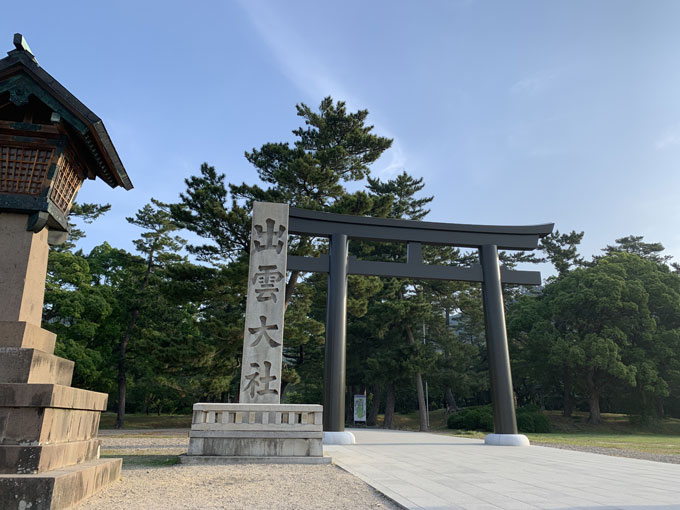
x=307 y=70
x=396 y=163
x=534 y=83
x=669 y=138
x=295 y=57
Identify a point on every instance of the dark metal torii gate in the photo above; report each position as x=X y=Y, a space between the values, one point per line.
x=487 y=239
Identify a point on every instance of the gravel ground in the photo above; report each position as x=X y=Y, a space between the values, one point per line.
x=250 y=486
x=615 y=452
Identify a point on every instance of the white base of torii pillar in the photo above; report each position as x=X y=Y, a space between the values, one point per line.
x=344 y=437
x=260 y=428
x=506 y=440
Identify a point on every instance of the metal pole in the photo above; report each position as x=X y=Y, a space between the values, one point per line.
x=427 y=391
x=427 y=404
x=497 y=343
x=336 y=318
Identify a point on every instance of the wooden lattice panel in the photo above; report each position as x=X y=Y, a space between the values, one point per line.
x=67 y=183
x=23 y=169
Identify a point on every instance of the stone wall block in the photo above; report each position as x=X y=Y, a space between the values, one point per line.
x=40 y=426
x=51 y=395
x=27 y=336
x=34 y=366
x=18 y=459
x=57 y=489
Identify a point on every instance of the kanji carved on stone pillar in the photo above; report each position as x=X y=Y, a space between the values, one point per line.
x=263 y=335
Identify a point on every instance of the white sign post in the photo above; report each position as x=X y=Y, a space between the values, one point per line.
x=360 y=408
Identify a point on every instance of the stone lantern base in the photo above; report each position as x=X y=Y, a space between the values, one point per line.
x=49 y=451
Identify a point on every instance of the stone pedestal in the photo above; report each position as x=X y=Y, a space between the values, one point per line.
x=49 y=451
x=272 y=433
x=260 y=428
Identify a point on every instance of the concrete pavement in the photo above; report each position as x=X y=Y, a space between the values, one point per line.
x=437 y=472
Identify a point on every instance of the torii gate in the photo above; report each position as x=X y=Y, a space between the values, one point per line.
x=488 y=239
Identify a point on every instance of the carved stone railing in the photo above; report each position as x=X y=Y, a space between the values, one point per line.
x=301 y=418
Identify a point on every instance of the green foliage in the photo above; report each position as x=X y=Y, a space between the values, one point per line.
x=160 y=332
x=529 y=419
x=636 y=246
x=609 y=328
x=472 y=418
x=562 y=250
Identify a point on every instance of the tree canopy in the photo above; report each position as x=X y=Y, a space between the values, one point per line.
x=161 y=327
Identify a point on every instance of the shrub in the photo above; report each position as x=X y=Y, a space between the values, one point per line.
x=486 y=421
x=525 y=422
x=529 y=408
x=472 y=418
x=542 y=423
x=529 y=419
x=532 y=421
x=455 y=420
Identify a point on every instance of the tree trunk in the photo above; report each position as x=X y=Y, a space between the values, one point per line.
x=349 y=405
x=389 y=406
x=122 y=376
x=593 y=399
x=372 y=418
x=290 y=287
x=567 y=404
x=451 y=405
x=660 y=412
x=422 y=407
x=122 y=388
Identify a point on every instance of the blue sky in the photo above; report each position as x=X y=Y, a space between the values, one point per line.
x=516 y=112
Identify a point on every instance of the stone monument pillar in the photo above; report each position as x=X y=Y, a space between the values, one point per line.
x=49 y=144
x=265 y=307
x=259 y=428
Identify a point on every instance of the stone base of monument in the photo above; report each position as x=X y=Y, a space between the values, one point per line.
x=49 y=451
x=506 y=440
x=256 y=433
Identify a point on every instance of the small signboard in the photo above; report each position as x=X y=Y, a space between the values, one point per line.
x=360 y=408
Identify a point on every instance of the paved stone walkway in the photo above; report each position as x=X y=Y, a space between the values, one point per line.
x=436 y=472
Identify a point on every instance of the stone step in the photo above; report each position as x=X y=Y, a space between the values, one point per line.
x=27 y=336
x=21 y=460
x=51 y=395
x=34 y=366
x=257 y=434
x=256 y=447
x=59 y=489
x=216 y=460
x=37 y=426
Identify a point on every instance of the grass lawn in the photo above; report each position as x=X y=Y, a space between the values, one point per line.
x=650 y=443
x=148 y=461
x=616 y=431
x=148 y=421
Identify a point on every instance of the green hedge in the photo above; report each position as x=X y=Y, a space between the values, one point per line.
x=529 y=419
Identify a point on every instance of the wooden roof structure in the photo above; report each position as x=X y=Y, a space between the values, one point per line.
x=22 y=77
